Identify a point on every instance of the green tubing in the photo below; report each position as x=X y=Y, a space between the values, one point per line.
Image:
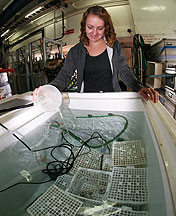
x=91 y=116
x=104 y=143
x=73 y=135
x=111 y=140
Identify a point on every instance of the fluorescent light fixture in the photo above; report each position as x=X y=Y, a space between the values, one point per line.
x=5 y=33
x=23 y=36
x=34 y=11
x=39 y=18
x=7 y=38
x=7 y=5
x=154 y=8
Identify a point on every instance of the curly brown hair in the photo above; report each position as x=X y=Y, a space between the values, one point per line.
x=102 y=13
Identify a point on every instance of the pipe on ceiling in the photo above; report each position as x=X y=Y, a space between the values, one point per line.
x=41 y=30
x=63 y=27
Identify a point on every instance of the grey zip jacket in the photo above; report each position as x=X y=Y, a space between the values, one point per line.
x=75 y=61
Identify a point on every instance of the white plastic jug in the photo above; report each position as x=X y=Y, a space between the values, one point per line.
x=48 y=98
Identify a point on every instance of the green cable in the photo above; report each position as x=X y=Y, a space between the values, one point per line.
x=90 y=116
x=73 y=135
x=111 y=140
x=70 y=133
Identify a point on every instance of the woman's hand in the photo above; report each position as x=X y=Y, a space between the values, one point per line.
x=149 y=93
x=35 y=92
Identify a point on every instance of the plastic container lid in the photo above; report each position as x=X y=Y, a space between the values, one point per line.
x=48 y=98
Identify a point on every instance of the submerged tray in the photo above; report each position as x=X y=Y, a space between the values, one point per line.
x=128 y=153
x=128 y=185
x=89 y=184
x=63 y=181
x=55 y=202
x=90 y=159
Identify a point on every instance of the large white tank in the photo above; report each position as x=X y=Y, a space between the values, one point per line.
x=112 y=117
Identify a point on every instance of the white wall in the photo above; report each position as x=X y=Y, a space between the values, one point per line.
x=154 y=19
x=122 y=19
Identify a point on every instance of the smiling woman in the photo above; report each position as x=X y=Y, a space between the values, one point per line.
x=95 y=30
x=100 y=18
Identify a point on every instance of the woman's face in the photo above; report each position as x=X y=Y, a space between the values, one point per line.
x=95 y=28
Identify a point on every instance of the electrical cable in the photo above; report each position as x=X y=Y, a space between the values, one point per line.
x=19 y=183
x=63 y=136
x=57 y=167
x=109 y=115
x=55 y=171
x=91 y=116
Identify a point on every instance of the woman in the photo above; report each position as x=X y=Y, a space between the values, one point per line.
x=99 y=59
